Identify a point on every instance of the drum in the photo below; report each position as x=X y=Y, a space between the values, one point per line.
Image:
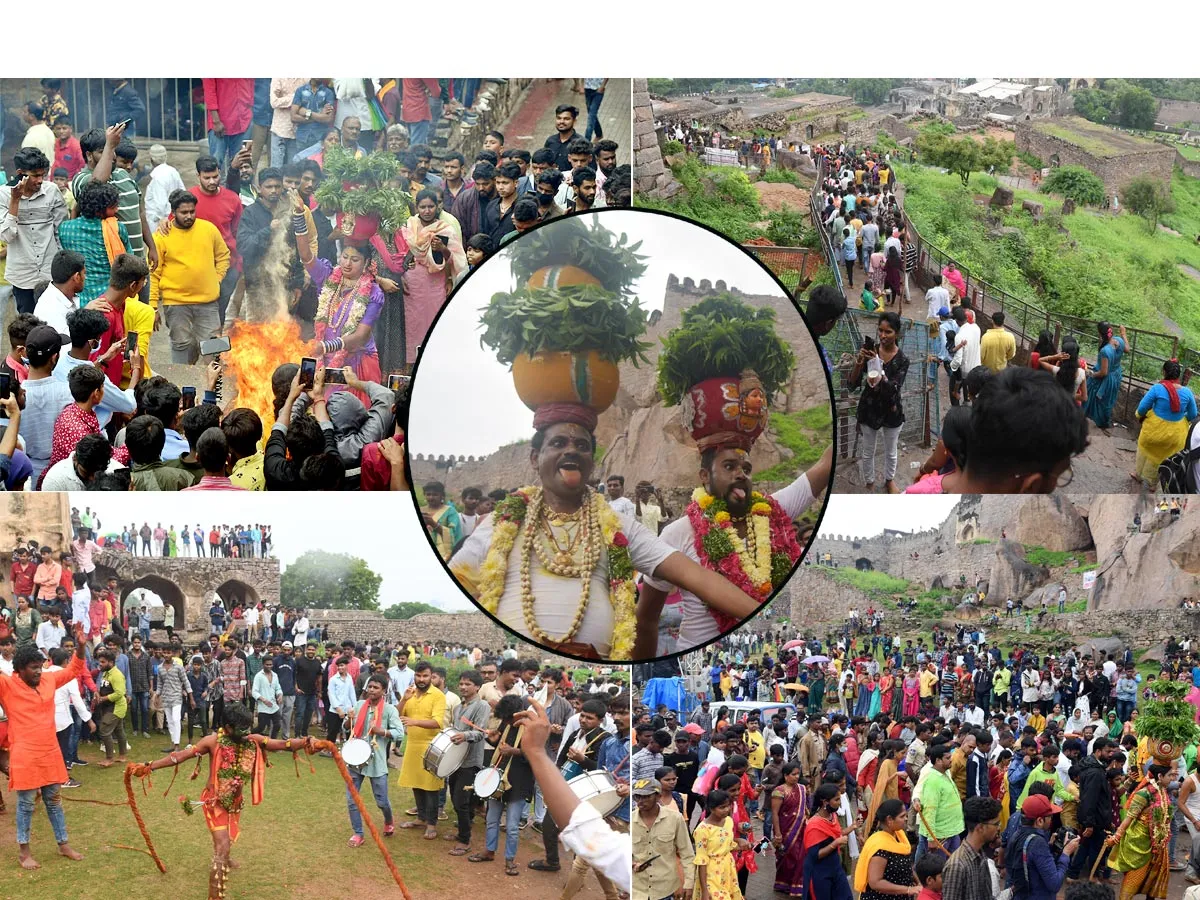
x=598 y=788
x=443 y=757
x=487 y=782
x=356 y=751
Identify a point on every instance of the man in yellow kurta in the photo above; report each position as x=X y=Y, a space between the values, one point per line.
x=422 y=710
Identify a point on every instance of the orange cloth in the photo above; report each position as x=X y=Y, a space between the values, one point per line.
x=113 y=246
x=35 y=759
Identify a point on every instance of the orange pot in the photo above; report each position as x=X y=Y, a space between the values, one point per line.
x=562 y=377
x=561 y=276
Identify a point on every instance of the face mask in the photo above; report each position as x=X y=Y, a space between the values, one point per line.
x=545 y=199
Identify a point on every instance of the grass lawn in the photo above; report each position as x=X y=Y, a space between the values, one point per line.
x=1187 y=151
x=292 y=845
x=806 y=433
x=1103 y=267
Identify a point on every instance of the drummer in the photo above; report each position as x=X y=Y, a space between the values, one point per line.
x=378 y=724
x=422 y=709
x=510 y=758
x=469 y=726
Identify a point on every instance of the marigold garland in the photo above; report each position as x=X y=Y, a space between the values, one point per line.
x=758 y=564
x=507 y=521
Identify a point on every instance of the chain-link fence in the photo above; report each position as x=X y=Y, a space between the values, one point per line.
x=922 y=412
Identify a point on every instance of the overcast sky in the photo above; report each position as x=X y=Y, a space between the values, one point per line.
x=866 y=515
x=381 y=528
x=463 y=400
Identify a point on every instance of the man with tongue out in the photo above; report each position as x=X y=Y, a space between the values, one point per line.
x=541 y=589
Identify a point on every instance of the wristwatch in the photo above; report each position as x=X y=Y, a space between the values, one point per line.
x=308 y=114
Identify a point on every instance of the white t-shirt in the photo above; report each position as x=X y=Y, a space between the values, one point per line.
x=557 y=599
x=970 y=352
x=699 y=627
x=1080 y=375
x=52 y=308
x=622 y=506
x=936 y=298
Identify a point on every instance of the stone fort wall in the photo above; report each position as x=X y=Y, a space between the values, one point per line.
x=1115 y=171
x=1141 y=628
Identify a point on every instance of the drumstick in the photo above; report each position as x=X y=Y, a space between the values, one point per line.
x=467 y=721
x=618 y=778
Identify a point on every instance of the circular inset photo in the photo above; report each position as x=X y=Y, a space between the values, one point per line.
x=620 y=426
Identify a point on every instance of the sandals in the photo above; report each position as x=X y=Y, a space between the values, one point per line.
x=459 y=851
x=540 y=865
x=357 y=840
x=480 y=857
x=510 y=867
x=407 y=825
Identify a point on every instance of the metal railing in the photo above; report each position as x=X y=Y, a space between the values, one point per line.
x=827 y=247
x=174 y=107
x=789 y=264
x=1146 y=352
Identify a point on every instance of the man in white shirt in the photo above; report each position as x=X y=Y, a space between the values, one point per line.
x=50 y=633
x=614 y=487
x=974 y=715
x=936 y=297
x=1110 y=670
x=250 y=617
x=163 y=180
x=966 y=347
x=400 y=676
x=66 y=280
x=39 y=134
x=300 y=630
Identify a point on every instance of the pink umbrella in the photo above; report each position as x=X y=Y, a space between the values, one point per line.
x=791 y=645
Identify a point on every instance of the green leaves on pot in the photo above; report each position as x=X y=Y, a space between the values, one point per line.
x=721 y=335
x=1168 y=717
x=569 y=242
x=360 y=186
x=573 y=318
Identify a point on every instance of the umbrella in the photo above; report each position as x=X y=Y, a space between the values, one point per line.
x=796 y=686
x=810 y=660
x=791 y=645
x=693 y=728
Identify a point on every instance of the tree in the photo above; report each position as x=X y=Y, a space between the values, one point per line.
x=1135 y=108
x=1145 y=197
x=963 y=155
x=323 y=580
x=1093 y=104
x=409 y=609
x=870 y=91
x=1075 y=182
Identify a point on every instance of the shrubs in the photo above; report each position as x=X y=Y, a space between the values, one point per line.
x=1077 y=183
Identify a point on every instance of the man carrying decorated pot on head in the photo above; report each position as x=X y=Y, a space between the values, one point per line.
x=729 y=528
x=556 y=562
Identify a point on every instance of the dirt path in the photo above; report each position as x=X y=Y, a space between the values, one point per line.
x=774 y=196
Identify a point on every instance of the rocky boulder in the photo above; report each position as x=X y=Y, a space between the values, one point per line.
x=1100 y=647
x=1051 y=521
x=1012 y=576
x=1162 y=561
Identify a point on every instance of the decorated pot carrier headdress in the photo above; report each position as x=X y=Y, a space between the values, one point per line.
x=358 y=190
x=570 y=322
x=721 y=366
x=564 y=330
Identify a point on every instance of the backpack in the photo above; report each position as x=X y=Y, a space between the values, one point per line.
x=1176 y=473
x=1015 y=890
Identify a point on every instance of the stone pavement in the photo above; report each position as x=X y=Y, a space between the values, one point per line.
x=533 y=121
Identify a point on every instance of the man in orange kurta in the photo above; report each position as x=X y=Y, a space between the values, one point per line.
x=35 y=762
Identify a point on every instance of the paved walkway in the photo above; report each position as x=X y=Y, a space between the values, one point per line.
x=533 y=122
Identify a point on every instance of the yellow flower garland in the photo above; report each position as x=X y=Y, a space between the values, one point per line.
x=756 y=560
x=623 y=597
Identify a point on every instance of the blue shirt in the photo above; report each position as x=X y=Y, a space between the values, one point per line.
x=115 y=400
x=341 y=693
x=614 y=757
x=175 y=446
x=1159 y=400
x=849 y=253
x=306 y=98
x=187 y=536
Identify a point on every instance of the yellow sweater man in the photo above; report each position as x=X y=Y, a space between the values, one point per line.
x=192 y=260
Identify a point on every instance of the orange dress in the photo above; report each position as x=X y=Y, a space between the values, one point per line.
x=36 y=760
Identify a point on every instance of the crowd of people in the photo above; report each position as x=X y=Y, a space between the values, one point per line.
x=278 y=689
x=105 y=257
x=944 y=768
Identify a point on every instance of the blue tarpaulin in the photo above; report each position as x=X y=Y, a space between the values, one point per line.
x=667 y=691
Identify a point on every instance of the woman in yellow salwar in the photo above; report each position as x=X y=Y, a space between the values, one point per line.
x=1141 y=845
x=1165 y=412
x=716 y=873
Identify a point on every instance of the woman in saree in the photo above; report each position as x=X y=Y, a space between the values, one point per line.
x=348 y=302
x=862 y=681
x=998 y=785
x=1164 y=412
x=887 y=690
x=868 y=767
x=434 y=242
x=912 y=693
x=1141 y=844
x=716 y=873
x=1104 y=383
x=887 y=782
x=873 y=702
x=745 y=860
x=824 y=878
x=789 y=804
x=816 y=692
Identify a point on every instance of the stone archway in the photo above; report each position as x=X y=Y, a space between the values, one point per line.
x=808 y=132
x=863 y=564
x=234 y=592
x=169 y=592
x=1054 y=161
x=968 y=533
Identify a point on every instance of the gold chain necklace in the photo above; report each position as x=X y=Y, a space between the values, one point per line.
x=593 y=545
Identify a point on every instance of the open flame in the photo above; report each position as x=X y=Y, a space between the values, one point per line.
x=256 y=350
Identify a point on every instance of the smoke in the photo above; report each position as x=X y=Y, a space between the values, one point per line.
x=268 y=299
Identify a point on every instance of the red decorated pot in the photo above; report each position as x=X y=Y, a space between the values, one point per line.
x=726 y=405
x=357 y=227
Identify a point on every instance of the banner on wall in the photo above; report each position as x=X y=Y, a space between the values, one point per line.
x=1089 y=579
